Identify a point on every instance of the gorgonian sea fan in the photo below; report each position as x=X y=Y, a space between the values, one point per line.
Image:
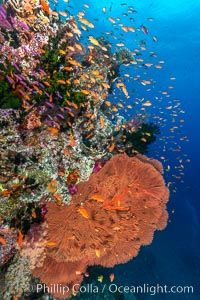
x=111 y=216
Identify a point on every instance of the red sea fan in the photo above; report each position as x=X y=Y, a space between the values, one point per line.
x=61 y=275
x=110 y=217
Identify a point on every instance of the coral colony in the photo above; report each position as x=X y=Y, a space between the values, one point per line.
x=75 y=187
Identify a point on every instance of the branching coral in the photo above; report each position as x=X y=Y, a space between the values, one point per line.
x=109 y=219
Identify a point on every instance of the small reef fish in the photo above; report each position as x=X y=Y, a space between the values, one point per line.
x=158 y=66
x=53 y=130
x=74 y=63
x=144 y=29
x=147 y=103
x=33 y=213
x=63 y=13
x=78 y=46
x=155 y=39
x=125 y=28
x=102 y=122
x=83 y=212
x=50 y=243
x=112 y=277
x=51 y=187
x=94 y=41
x=97 y=198
x=66 y=151
x=112 y=147
x=62 y=51
x=100 y=278
x=111 y=20
x=143 y=140
x=2 y=241
x=120 y=208
x=120 y=44
x=45 y=6
x=108 y=103
x=97 y=252
x=58 y=199
x=72 y=141
x=61 y=81
x=20 y=238
x=84 y=92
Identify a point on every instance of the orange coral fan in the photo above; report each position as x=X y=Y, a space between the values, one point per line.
x=110 y=217
x=62 y=273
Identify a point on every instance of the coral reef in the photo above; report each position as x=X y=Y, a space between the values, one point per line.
x=68 y=199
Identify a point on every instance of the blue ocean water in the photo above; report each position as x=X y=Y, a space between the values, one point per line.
x=173 y=258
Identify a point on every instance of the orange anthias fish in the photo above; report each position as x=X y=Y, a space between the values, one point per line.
x=61 y=81
x=66 y=151
x=94 y=41
x=120 y=208
x=112 y=147
x=33 y=213
x=58 y=199
x=50 y=243
x=102 y=122
x=53 y=130
x=97 y=252
x=45 y=6
x=72 y=141
x=2 y=241
x=112 y=277
x=51 y=187
x=97 y=198
x=83 y=212
x=20 y=238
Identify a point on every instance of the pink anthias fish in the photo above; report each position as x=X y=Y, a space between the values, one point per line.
x=144 y=29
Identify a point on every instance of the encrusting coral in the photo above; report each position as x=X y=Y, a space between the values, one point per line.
x=111 y=216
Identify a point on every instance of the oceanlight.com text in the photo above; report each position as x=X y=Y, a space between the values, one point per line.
x=151 y=289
